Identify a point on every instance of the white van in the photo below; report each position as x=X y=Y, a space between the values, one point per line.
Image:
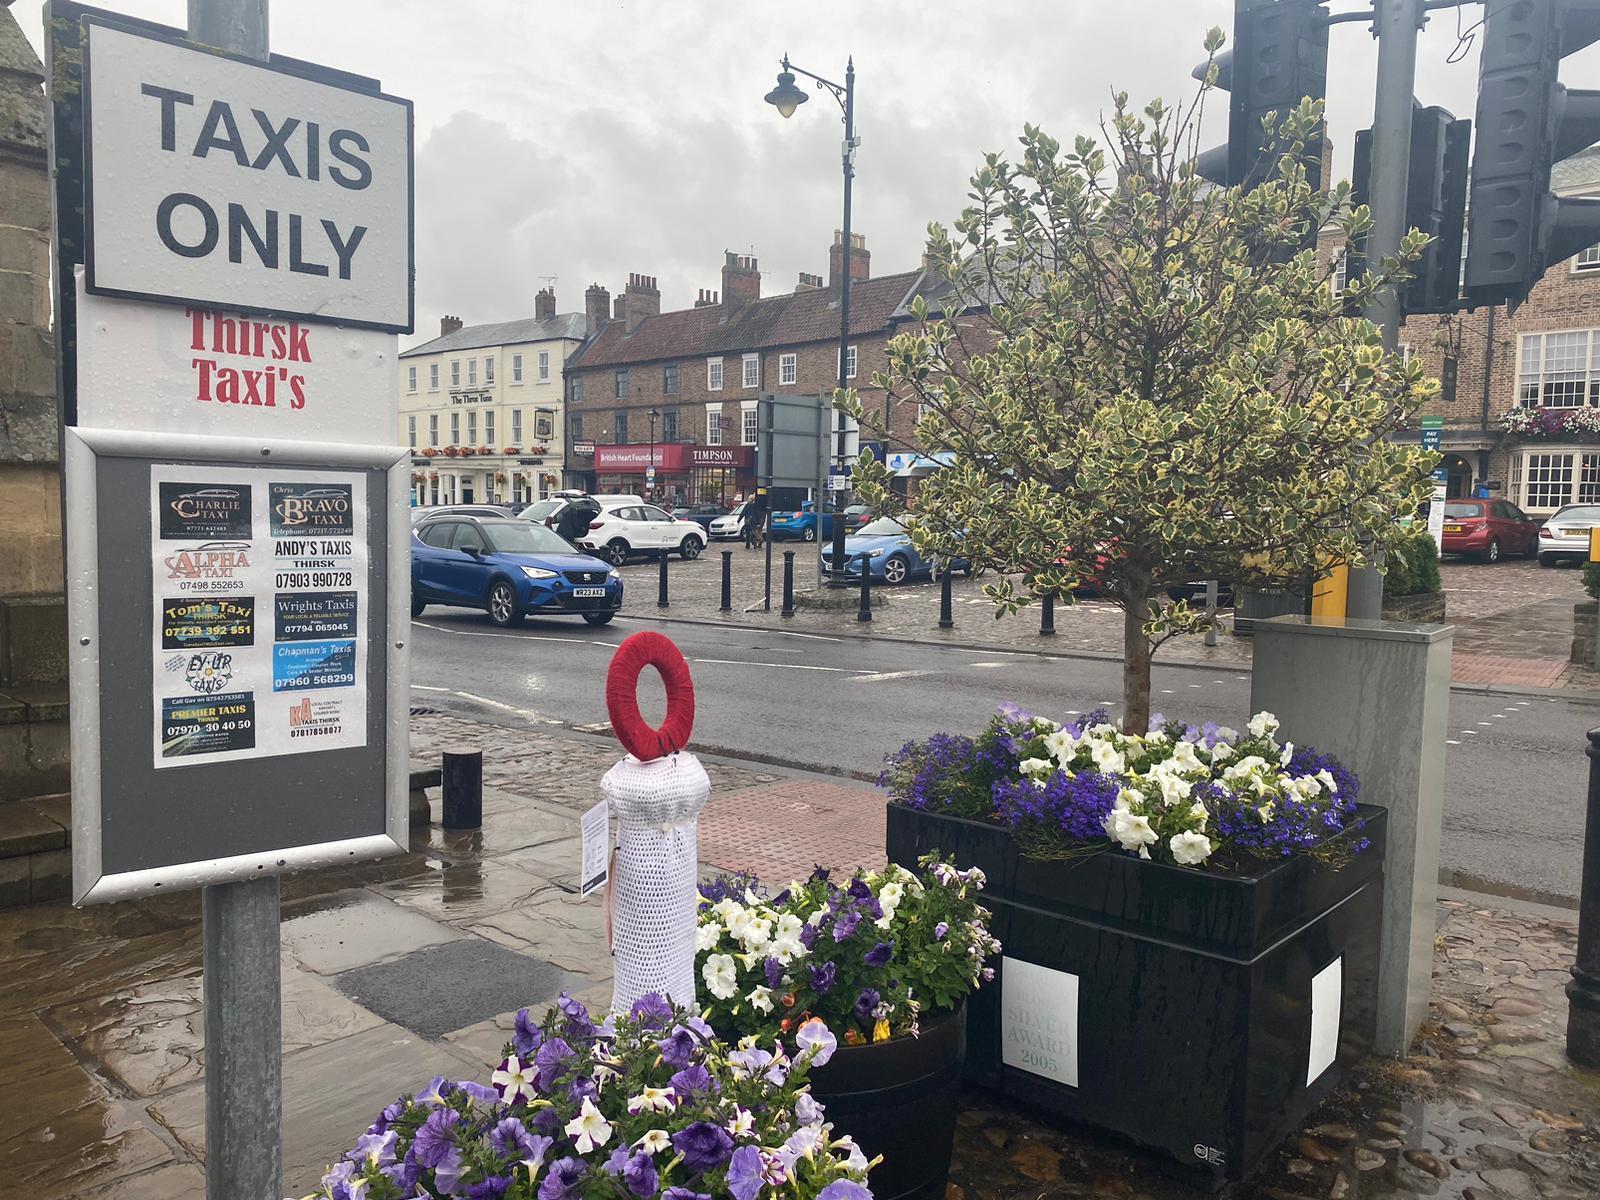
x=547 y=510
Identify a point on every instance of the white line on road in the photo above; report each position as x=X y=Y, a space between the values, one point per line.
x=1469 y=733
x=1451 y=742
x=989 y=664
x=522 y=712
x=739 y=662
x=882 y=675
x=422 y=687
x=526 y=637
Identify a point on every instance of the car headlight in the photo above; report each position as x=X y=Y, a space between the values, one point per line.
x=538 y=573
x=879 y=553
x=614 y=573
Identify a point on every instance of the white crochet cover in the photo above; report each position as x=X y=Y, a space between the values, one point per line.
x=654 y=882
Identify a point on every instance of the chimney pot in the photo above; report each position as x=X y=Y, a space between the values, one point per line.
x=860 y=258
x=449 y=325
x=644 y=300
x=596 y=307
x=544 y=304
x=741 y=280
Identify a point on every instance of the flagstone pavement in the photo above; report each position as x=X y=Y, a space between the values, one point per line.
x=395 y=971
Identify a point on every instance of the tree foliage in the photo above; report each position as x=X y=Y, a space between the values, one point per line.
x=1140 y=378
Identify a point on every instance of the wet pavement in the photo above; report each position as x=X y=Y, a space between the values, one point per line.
x=396 y=971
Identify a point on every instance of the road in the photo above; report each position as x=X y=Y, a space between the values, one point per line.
x=1515 y=768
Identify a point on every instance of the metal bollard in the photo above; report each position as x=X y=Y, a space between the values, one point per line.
x=1583 y=1014
x=463 y=789
x=727 y=581
x=1047 y=618
x=661 y=584
x=946 y=616
x=864 y=613
x=788 y=585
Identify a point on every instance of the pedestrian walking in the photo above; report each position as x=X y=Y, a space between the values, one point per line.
x=755 y=520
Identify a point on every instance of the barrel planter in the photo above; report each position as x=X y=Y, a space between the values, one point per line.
x=1197 y=1013
x=899 y=1098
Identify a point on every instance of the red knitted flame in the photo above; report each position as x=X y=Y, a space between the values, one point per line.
x=622 y=696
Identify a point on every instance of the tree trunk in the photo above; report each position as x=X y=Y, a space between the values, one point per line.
x=1135 y=667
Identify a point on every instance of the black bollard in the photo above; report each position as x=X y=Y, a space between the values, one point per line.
x=463 y=789
x=864 y=613
x=788 y=585
x=727 y=581
x=947 y=618
x=1583 y=1013
x=1047 y=618
x=661 y=584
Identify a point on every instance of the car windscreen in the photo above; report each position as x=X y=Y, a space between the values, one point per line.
x=541 y=510
x=524 y=537
x=882 y=527
x=1463 y=510
x=1579 y=512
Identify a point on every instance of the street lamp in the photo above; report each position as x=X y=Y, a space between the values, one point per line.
x=787 y=97
x=650 y=476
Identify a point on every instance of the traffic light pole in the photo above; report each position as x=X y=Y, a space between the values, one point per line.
x=1396 y=23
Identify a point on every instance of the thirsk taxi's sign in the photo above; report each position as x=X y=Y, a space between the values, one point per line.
x=244 y=185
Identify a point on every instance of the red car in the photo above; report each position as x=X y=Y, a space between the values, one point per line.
x=1488 y=529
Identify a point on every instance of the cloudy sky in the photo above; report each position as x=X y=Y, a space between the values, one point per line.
x=585 y=139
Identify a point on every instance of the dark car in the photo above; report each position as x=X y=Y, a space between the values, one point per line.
x=1488 y=529
x=510 y=568
x=702 y=514
x=856 y=516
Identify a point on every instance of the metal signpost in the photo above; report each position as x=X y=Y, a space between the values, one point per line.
x=233 y=236
x=1432 y=438
x=793 y=452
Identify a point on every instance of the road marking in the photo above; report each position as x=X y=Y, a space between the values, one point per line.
x=739 y=662
x=882 y=675
x=1166 y=691
x=816 y=637
x=1483 y=722
x=1469 y=733
x=1451 y=742
x=422 y=687
x=597 y=727
x=526 y=637
x=521 y=712
x=1194 y=685
x=989 y=664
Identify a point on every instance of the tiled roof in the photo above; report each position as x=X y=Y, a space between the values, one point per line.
x=788 y=320
x=1578 y=174
x=506 y=333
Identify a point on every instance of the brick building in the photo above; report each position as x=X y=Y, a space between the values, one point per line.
x=701 y=371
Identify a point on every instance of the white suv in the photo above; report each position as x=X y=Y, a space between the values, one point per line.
x=622 y=529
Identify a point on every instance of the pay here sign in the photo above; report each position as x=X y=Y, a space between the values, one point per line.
x=215 y=180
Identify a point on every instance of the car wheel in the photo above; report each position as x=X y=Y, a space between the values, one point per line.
x=503 y=607
x=809 y=534
x=598 y=618
x=1547 y=560
x=417 y=606
x=895 y=569
x=616 y=553
x=1492 y=554
x=691 y=547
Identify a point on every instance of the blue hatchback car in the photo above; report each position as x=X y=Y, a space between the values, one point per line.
x=510 y=568
x=890 y=555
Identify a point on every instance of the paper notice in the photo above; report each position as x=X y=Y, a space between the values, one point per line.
x=596 y=841
x=1327 y=999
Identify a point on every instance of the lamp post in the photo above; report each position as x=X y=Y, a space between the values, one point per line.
x=650 y=475
x=787 y=97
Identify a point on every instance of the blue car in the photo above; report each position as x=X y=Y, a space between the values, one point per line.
x=801 y=523
x=890 y=555
x=510 y=568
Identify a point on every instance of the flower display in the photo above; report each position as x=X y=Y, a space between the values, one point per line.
x=1183 y=794
x=635 y=1107
x=1583 y=422
x=863 y=959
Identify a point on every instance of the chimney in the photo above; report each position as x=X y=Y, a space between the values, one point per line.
x=544 y=304
x=619 y=307
x=644 y=300
x=596 y=307
x=448 y=325
x=860 y=258
x=706 y=299
x=809 y=282
x=741 y=280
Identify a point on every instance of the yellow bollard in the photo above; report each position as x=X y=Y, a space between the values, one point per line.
x=1330 y=593
x=1594 y=544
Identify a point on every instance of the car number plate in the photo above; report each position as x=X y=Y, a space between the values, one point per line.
x=585 y=593
x=1574 y=533
x=1452 y=529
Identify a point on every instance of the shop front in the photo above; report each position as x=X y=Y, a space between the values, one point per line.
x=675 y=472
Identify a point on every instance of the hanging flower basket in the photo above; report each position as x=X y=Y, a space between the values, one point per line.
x=429 y=452
x=511 y=450
x=499 y=476
x=1553 y=424
x=450 y=452
x=433 y=477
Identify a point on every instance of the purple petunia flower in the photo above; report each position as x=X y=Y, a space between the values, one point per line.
x=678 y=1047
x=511 y=1137
x=940 y=930
x=844 y=1189
x=640 y=1176
x=845 y=924
x=390 y=1114
x=551 y=1060
x=564 y=1181
x=526 y=1036
x=745 y=1173
x=683 y=1193
x=823 y=977
x=578 y=1024
x=582 y=1088
x=773 y=969
x=546 y=1120
x=480 y=1092
x=865 y=1003
x=879 y=955
x=491 y=1188
x=704 y=1146
x=808 y=935
x=436 y=1137
x=449 y=1172
x=651 y=1010
x=806 y=1109
x=693 y=1078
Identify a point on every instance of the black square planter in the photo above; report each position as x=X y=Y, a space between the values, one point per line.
x=1200 y=1014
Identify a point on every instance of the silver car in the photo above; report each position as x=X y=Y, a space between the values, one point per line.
x=1566 y=535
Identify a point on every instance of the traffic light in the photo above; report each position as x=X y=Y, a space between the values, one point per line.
x=1527 y=122
x=1436 y=201
x=1279 y=57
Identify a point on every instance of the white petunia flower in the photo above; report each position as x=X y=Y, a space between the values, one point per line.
x=1107 y=758
x=707 y=936
x=1288 y=753
x=721 y=976
x=1130 y=831
x=655 y=1141
x=1063 y=747
x=589 y=1128
x=1263 y=724
x=1198 y=812
x=786 y=943
x=1190 y=848
x=516 y=1079
x=761 y=999
x=1035 y=767
x=651 y=1099
x=1327 y=781
x=1184 y=755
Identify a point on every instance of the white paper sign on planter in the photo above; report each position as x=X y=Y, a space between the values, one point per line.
x=1327 y=1006
x=1039 y=1020
x=229 y=182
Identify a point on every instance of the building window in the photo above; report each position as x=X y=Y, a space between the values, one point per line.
x=544 y=365
x=622 y=429
x=576 y=423
x=752 y=370
x=433 y=429
x=411 y=379
x=472 y=372
x=411 y=430
x=713 y=374
x=849 y=362
x=516 y=427
x=577 y=388
x=1588 y=259
x=488 y=426
x=544 y=423
x=747 y=423
x=713 y=425
x=1544 y=480
x=433 y=377
x=455 y=429
x=669 y=379
x=669 y=425
x=1341 y=268
x=472 y=429
x=455 y=372
x=1559 y=370
x=621 y=379
x=488 y=370
x=787 y=368
x=516 y=368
